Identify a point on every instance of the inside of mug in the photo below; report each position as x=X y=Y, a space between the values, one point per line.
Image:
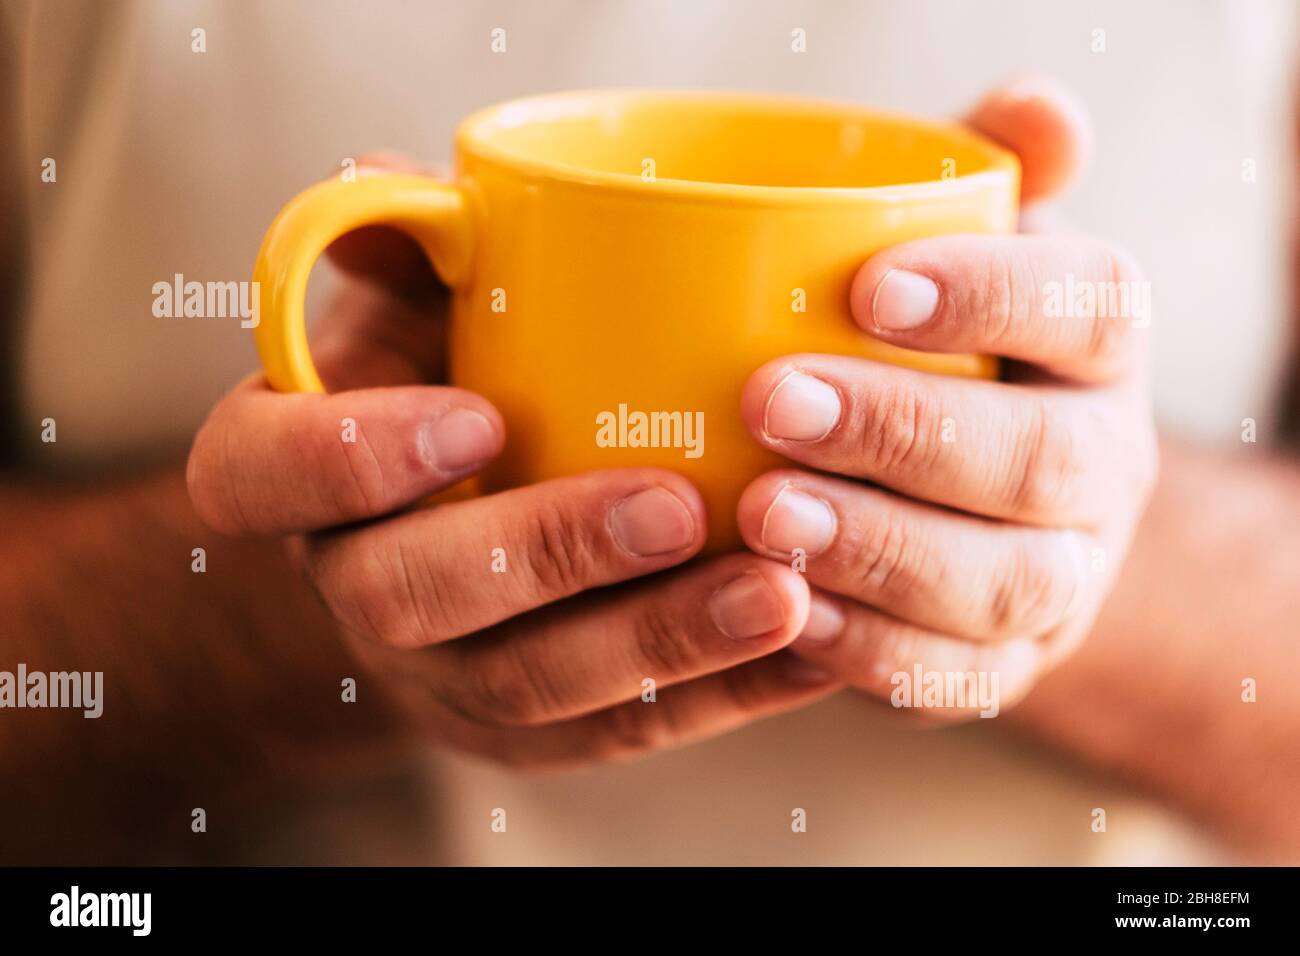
x=728 y=138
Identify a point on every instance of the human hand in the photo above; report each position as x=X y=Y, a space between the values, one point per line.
x=529 y=664
x=994 y=514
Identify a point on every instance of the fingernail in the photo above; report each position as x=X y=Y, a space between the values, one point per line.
x=653 y=521
x=796 y=668
x=801 y=408
x=903 y=300
x=461 y=439
x=795 y=519
x=746 y=607
x=825 y=622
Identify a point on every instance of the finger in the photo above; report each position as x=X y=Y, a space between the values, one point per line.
x=267 y=463
x=917 y=671
x=1045 y=124
x=682 y=715
x=1047 y=455
x=572 y=659
x=450 y=570
x=382 y=254
x=1074 y=306
x=939 y=569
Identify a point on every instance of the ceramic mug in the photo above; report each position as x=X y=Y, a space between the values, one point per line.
x=622 y=261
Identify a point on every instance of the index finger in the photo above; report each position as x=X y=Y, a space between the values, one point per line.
x=1072 y=305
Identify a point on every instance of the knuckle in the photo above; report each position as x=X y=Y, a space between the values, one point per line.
x=362 y=485
x=743 y=690
x=883 y=565
x=902 y=429
x=418 y=603
x=1049 y=469
x=561 y=556
x=1031 y=589
x=509 y=692
x=636 y=728
x=664 y=645
x=345 y=590
x=368 y=589
x=999 y=300
x=1111 y=335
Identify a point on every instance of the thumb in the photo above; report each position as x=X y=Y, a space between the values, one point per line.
x=1042 y=122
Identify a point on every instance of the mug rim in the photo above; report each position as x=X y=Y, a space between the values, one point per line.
x=474 y=137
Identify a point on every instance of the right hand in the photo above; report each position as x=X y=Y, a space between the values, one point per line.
x=533 y=666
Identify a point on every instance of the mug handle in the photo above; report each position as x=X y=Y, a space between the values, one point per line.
x=433 y=213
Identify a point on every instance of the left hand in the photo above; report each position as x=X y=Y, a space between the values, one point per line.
x=994 y=515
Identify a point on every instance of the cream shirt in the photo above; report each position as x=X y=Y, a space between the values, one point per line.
x=172 y=161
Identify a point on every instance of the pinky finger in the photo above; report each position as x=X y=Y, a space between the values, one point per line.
x=679 y=715
x=934 y=676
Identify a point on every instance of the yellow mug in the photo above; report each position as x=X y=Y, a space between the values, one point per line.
x=621 y=261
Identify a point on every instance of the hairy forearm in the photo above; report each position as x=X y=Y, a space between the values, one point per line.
x=229 y=676
x=1207 y=599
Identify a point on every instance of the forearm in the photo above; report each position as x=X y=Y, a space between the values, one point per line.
x=208 y=678
x=1207 y=598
